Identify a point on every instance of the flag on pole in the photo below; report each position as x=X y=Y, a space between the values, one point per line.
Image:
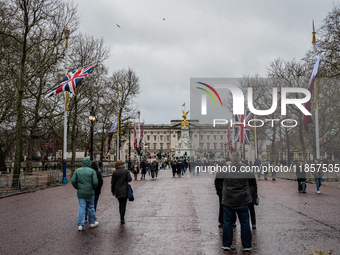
x=141 y=138
x=242 y=128
x=307 y=118
x=135 y=137
x=183 y=104
x=71 y=81
x=112 y=130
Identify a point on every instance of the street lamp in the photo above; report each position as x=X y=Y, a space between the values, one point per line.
x=92 y=118
x=225 y=150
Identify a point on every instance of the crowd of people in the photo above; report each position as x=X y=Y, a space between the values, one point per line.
x=237 y=191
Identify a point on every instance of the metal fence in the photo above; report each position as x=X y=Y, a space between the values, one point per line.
x=37 y=180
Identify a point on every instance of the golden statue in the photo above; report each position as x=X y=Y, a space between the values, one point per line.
x=184 y=121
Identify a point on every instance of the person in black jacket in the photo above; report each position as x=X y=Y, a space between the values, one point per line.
x=174 y=168
x=119 y=187
x=301 y=177
x=236 y=197
x=253 y=190
x=97 y=191
x=218 y=186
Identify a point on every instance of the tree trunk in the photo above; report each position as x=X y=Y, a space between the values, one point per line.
x=18 y=140
x=3 y=167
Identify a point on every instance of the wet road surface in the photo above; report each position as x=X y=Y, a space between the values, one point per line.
x=170 y=216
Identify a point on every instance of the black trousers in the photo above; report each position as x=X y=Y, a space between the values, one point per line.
x=252 y=214
x=220 y=214
x=122 y=207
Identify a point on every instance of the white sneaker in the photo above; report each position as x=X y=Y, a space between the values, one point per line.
x=319 y=192
x=80 y=228
x=93 y=225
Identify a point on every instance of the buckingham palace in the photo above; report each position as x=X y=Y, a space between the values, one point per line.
x=208 y=142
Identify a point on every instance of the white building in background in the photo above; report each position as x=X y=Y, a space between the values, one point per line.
x=209 y=142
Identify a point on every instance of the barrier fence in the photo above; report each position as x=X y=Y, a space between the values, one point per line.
x=36 y=180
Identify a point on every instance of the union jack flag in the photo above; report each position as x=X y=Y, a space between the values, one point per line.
x=242 y=128
x=71 y=81
x=135 y=137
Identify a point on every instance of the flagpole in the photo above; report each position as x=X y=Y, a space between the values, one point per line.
x=118 y=137
x=64 y=179
x=316 y=101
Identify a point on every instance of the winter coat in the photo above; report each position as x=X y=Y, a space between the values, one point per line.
x=219 y=183
x=174 y=167
x=300 y=173
x=153 y=167
x=85 y=179
x=94 y=165
x=135 y=169
x=253 y=189
x=143 y=166
x=119 y=183
x=236 y=191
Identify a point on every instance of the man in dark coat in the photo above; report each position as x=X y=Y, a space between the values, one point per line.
x=174 y=168
x=253 y=190
x=97 y=191
x=143 y=167
x=119 y=187
x=301 y=177
x=236 y=198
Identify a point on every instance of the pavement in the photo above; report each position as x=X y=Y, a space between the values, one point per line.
x=170 y=216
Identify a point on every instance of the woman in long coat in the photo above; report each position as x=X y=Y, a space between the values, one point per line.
x=119 y=187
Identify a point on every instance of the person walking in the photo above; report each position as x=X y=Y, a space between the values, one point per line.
x=85 y=180
x=180 y=167
x=136 y=170
x=98 y=189
x=254 y=196
x=218 y=187
x=174 y=168
x=153 y=169
x=236 y=197
x=301 y=177
x=318 y=173
x=157 y=168
x=119 y=187
x=143 y=166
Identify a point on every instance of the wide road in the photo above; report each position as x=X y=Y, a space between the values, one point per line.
x=170 y=216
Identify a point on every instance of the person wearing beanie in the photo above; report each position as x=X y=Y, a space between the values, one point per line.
x=119 y=187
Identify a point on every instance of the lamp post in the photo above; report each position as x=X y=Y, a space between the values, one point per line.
x=92 y=118
x=129 y=162
x=225 y=150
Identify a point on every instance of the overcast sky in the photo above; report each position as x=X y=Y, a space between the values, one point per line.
x=197 y=39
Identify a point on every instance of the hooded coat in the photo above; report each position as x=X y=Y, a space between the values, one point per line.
x=85 y=179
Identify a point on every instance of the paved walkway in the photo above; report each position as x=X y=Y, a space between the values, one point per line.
x=170 y=216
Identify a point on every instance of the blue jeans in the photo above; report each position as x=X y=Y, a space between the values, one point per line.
x=318 y=183
x=229 y=217
x=88 y=205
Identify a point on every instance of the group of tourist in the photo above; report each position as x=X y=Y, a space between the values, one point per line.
x=88 y=182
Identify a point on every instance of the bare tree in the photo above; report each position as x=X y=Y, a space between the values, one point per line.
x=26 y=24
